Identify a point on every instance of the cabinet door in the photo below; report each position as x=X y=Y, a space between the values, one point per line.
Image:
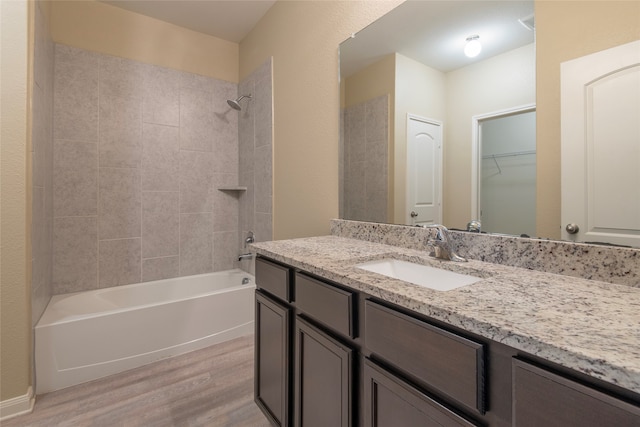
x=542 y=398
x=272 y=358
x=323 y=379
x=390 y=402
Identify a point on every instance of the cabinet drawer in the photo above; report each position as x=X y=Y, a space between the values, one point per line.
x=443 y=361
x=391 y=402
x=325 y=303
x=273 y=278
x=542 y=398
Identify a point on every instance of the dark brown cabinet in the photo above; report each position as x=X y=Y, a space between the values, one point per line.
x=444 y=362
x=329 y=355
x=274 y=279
x=272 y=359
x=323 y=379
x=325 y=303
x=543 y=398
x=391 y=402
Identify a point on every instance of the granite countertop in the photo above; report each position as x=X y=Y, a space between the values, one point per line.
x=592 y=327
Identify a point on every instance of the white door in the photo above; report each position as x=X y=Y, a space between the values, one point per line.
x=424 y=171
x=601 y=146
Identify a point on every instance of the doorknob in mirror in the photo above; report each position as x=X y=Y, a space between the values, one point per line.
x=414 y=214
x=572 y=228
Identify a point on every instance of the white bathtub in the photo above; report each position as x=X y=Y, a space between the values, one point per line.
x=88 y=335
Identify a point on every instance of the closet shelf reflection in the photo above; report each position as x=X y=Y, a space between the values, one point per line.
x=515 y=153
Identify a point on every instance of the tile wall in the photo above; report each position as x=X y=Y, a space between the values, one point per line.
x=139 y=152
x=42 y=167
x=256 y=159
x=365 y=161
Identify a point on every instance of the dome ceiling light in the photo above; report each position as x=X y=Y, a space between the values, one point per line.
x=473 y=46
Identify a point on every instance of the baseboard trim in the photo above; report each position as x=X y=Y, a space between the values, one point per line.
x=18 y=405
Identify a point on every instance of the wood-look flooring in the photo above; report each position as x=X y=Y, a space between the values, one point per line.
x=208 y=387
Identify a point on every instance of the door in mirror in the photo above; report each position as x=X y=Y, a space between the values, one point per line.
x=601 y=146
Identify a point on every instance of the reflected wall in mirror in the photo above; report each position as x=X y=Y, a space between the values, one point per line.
x=411 y=62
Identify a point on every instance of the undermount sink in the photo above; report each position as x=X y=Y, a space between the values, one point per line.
x=418 y=274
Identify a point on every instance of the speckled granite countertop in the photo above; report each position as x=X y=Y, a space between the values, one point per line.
x=592 y=327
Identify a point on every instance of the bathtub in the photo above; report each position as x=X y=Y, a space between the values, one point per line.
x=87 y=335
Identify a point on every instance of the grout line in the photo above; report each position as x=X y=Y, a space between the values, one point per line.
x=160 y=257
x=179 y=176
x=140 y=195
x=97 y=284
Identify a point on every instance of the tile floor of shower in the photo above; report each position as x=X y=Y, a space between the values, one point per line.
x=210 y=387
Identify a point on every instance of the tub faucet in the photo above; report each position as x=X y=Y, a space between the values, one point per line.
x=442 y=248
x=245 y=256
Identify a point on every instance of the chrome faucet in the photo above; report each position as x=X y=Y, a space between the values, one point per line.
x=442 y=248
x=245 y=256
x=251 y=238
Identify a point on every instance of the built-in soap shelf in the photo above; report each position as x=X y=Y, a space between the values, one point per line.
x=233 y=188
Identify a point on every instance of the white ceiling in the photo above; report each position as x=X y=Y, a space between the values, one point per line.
x=434 y=33
x=430 y=31
x=228 y=20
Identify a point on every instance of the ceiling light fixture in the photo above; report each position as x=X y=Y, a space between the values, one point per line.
x=473 y=46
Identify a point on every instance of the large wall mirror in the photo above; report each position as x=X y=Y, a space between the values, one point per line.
x=432 y=135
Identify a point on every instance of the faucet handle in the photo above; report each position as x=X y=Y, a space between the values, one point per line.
x=251 y=237
x=442 y=248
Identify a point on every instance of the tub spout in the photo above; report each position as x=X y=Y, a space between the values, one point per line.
x=245 y=256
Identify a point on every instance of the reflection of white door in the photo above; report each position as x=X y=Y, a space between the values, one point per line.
x=601 y=146
x=424 y=171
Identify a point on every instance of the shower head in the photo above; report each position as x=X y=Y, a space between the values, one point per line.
x=235 y=103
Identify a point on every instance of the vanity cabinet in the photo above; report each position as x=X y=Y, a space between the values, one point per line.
x=544 y=398
x=330 y=355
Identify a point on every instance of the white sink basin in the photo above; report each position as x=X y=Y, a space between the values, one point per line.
x=418 y=274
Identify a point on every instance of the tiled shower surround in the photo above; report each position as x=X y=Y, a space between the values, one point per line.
x=365 y=161
x=42 y=176
x=255 y=148
x=139 y=154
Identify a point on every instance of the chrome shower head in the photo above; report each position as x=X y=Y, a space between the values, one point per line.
x=235 y=103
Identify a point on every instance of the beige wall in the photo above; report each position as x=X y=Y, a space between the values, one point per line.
x=568 y=30
x=15 y=211
x=107 y=29
x=376 y=80
x=303 y=39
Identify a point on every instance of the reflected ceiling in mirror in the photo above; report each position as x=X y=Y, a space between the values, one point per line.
x=434 y=33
